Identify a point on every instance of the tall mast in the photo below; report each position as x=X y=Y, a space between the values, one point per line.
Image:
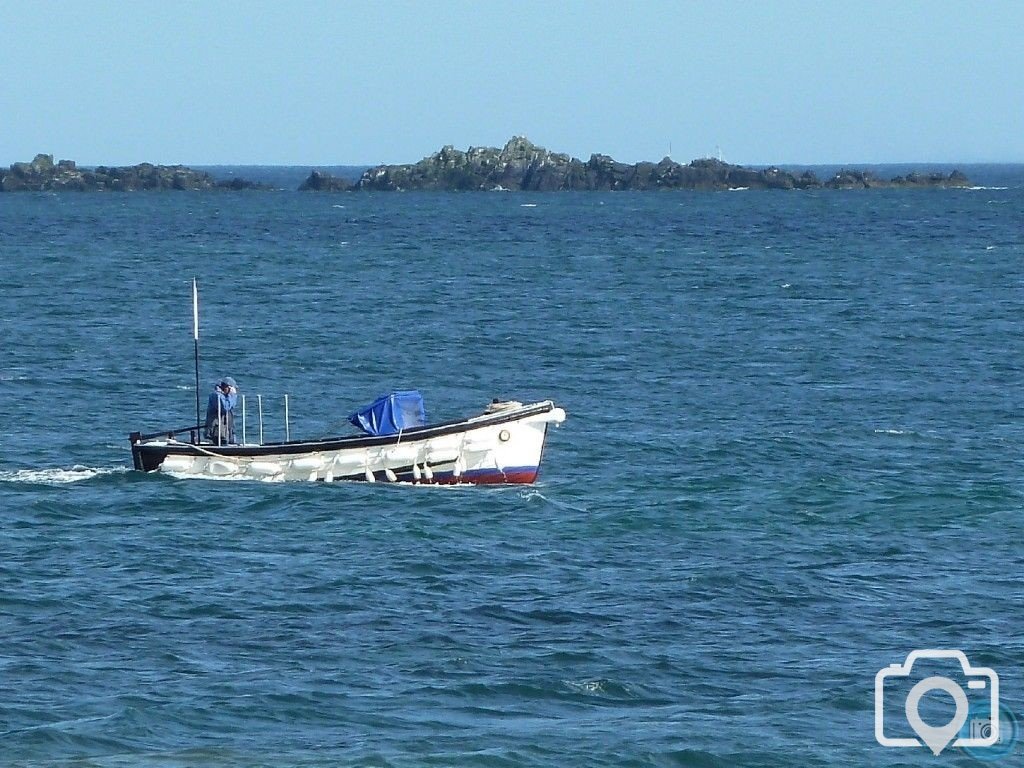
x=195 y=337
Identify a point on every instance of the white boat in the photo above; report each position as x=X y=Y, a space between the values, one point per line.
x=504 y=444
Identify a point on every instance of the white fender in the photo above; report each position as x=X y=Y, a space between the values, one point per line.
x=347 y=465
x=308 y=462
x=390 y=475
x=219 y=467
x=401 y=454
x=443 y=455
x=176 y=464
x=264 y=468
x=442 y=450
x=555 y=415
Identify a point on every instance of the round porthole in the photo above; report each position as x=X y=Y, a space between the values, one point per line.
x=504 y=436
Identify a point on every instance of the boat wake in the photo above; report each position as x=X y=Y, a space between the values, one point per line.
x=57 y=476
x=531 y=494
x=909 y=433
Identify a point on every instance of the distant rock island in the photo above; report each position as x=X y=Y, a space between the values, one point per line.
x=42 y=175
x=847 y=179
x=523 y=166
x=520 y=165
x=325 y=182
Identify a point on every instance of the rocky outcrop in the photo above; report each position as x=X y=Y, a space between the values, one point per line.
x=42 y=175
x=848 y=179
x=236 y=184
x=319 y=181
x=522 y=165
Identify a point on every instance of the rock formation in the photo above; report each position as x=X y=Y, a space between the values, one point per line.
x=42 y=175
x=324 y=182
x=519 y=165
x=847 y=179
x=522 y=165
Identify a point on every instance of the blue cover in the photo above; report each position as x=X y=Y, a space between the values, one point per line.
x=391 y=413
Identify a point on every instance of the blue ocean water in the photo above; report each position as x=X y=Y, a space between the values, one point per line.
x=793 y=455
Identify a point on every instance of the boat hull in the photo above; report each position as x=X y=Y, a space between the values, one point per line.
x=503 y=447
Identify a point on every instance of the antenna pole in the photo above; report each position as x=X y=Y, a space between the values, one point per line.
x=195 y=337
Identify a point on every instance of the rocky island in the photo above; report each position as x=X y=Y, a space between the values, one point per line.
x=523 y=166
x=43 y=175
x=520 y=165
x=325 y=182
x=847 y=179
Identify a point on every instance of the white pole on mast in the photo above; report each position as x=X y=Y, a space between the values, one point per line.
x=195 y=337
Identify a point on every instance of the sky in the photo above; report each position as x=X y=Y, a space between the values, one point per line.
x=352 y=82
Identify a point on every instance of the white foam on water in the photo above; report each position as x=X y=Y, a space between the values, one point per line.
x=591 y=687
x=532 y=493
x=447 y=487
x=528 y=205
x=974 y=189
x=57 y=476
x=59 y=724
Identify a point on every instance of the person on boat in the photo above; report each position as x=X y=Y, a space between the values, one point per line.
x=222 y=401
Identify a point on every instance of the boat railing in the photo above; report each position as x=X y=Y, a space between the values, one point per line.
x=195 y=431
x=259 y=410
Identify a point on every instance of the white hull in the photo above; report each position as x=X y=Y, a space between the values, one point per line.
x=501 y=447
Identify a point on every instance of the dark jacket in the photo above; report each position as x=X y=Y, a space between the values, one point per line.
x=226 y=428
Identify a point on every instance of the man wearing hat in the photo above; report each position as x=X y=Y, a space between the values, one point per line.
x=222 y=402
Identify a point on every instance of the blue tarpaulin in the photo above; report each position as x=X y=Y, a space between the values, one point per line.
x=391 y=413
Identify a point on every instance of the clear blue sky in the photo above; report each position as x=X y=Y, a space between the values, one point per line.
x=354 y=82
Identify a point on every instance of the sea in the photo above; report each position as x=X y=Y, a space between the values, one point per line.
x=792 y=459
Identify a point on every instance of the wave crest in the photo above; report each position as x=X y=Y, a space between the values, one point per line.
x=57 y=475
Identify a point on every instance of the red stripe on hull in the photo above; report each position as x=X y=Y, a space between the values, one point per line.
x=491 y=477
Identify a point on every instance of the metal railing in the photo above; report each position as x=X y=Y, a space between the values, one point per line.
x=196 y=431
x=259 y=406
